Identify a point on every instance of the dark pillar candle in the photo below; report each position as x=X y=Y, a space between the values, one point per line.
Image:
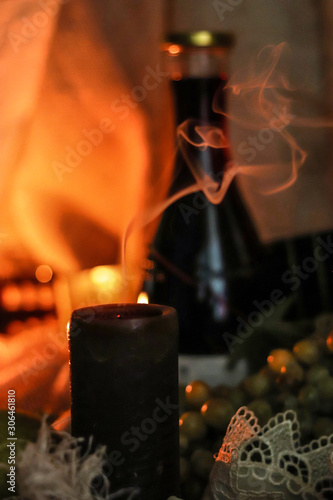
x=124 y=386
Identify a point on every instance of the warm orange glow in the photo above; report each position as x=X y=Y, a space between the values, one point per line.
x=32 y=322
x=45 y=298
x=14 y=327
x=3 y=349
x=189 y=389
x=204 y=409
x=329 y=341
x=174 y=49
x=176 y=75
x=280 y=359
x=65 y=227
x=180 y=421
x=103 y=274
x=29 y=296
x=29 y=361
x=143 y=298
x=11 y=297
x=44 y=273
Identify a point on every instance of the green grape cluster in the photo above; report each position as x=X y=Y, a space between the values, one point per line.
x=299 y=378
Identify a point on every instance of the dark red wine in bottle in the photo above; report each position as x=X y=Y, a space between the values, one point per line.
x=205 y=256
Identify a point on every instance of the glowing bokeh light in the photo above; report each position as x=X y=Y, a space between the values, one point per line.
x=44 y=273
x=174 y=49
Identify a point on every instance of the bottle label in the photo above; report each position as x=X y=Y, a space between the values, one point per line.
x=212 y=369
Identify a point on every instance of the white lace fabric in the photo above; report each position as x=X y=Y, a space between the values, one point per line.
x=269 y=462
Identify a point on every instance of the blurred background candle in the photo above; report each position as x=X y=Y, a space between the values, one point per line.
x=91 y=287
x=124 y=386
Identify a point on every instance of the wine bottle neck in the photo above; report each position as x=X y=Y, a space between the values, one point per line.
x=194 y=99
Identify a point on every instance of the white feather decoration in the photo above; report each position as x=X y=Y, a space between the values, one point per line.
x=49 y=470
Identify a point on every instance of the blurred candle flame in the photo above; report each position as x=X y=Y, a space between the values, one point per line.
x=143 y=298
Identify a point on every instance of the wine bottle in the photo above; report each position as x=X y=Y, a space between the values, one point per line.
x=204 y=256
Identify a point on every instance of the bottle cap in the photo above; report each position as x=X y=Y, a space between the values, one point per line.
x=200 y=39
